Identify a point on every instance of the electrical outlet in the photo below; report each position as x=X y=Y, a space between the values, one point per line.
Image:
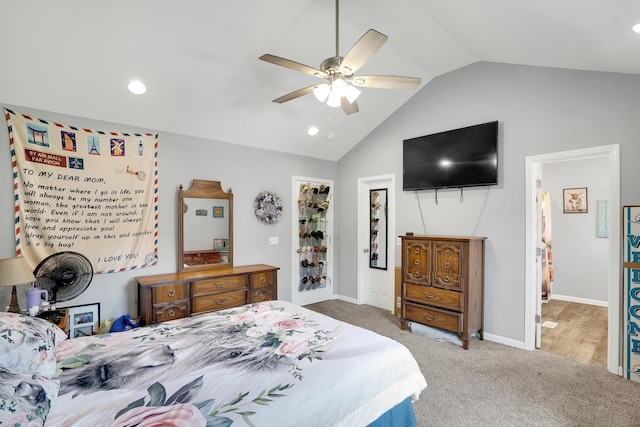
x=398 y=302
x=273 y=240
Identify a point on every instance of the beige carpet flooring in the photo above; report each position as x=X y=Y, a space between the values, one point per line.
x=496 y=385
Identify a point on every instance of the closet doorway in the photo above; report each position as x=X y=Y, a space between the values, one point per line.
x=533 y=300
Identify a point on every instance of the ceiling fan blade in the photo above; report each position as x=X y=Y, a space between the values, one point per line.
x=348 y=107
x=362 y=51
x=295 y=94
x=387 y=82
x=296 y=66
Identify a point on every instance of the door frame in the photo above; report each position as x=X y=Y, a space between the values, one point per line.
x=364 y=228
x=612 y=152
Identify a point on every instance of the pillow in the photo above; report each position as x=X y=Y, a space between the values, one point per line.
x=25 y=399
x=28 y=344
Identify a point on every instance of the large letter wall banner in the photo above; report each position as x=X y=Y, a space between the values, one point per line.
x=85 y=191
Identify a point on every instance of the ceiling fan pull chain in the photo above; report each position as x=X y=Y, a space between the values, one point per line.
x=337 y=29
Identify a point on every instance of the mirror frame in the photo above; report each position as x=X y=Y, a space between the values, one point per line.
x=203 y=189
x=378 y=234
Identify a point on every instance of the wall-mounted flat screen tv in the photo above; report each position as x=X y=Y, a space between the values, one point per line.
x=465 y=157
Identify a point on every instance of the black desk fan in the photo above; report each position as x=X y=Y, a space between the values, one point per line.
x=65 y=275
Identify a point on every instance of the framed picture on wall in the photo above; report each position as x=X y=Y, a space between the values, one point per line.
x=574 y=200
x=84 y=320
x=218 y=211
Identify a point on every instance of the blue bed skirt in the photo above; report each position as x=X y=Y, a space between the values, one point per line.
x=401 y=415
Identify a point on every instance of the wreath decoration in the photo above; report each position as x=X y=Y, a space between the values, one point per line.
x=268 y=207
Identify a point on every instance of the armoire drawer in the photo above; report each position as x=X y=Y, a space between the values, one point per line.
x=218 y=301
x=434 y=296
x=169 y=293
x=218 y=285
x=431 y=316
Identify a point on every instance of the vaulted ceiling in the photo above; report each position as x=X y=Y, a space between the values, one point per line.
x=199 y=58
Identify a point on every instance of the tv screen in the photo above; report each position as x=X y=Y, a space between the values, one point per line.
x=465 y=157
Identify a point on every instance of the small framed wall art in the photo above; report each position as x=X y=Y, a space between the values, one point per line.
x=84 y=320
x=574 y=200
x=218 y=211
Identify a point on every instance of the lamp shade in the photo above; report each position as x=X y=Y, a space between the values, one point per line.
x=15 y=271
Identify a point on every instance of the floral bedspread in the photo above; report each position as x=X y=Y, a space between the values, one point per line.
x=271 y=363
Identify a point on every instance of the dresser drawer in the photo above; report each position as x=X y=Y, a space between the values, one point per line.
x=434 y=296
x=434 y=317
x=218 y=284
x=260 y=280
x=262 y=294
x=164 y=312
x=169 y=293
x=218 y=301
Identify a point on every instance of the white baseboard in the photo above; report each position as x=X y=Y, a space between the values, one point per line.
x=502 y=340
x=580 y=300
x=347 y=299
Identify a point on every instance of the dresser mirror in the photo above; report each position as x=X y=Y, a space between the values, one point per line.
x=205 y=226
x=378 y=230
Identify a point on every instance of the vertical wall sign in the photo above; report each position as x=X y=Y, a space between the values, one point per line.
x=631 y=294
x=85 y=191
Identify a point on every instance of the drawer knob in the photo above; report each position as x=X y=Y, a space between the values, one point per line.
x=416 y=262
x=447 y=265
x=447 y=252
x=430 y=296
x=221 y=302
x=417 y=250
x=170 y=293
x=263 y=280
x=430 y=319
x=446 y=279
x=416 y=274
x=172 y=313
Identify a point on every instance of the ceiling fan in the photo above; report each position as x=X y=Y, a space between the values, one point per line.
x=339 y=89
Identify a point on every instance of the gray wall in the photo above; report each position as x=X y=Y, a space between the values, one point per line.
x=580 y=258
x=248 y=171
x=540 y=110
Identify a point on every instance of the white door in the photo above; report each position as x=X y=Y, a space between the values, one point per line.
x=376 y=236
x=312 y=200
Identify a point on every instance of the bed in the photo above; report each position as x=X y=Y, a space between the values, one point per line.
x=263 y=364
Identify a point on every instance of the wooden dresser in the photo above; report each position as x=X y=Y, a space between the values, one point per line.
x=172 y=296
x=443 y=283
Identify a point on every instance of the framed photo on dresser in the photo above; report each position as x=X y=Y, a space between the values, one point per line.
x=84 y=320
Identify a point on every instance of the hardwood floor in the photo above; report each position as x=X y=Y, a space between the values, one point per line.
x=580 y=333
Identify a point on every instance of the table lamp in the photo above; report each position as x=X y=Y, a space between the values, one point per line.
x=13 y=272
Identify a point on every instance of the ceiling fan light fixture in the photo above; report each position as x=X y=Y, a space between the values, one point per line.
x=339 y=87
x=321 y=92
x=334 y=99
x=352 y=93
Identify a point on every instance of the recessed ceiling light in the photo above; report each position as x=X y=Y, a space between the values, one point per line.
x=137 y=87
x=313 y=131
x=636 y=28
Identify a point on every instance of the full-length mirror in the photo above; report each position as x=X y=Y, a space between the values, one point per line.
x=205 y=226
x=378 y=231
